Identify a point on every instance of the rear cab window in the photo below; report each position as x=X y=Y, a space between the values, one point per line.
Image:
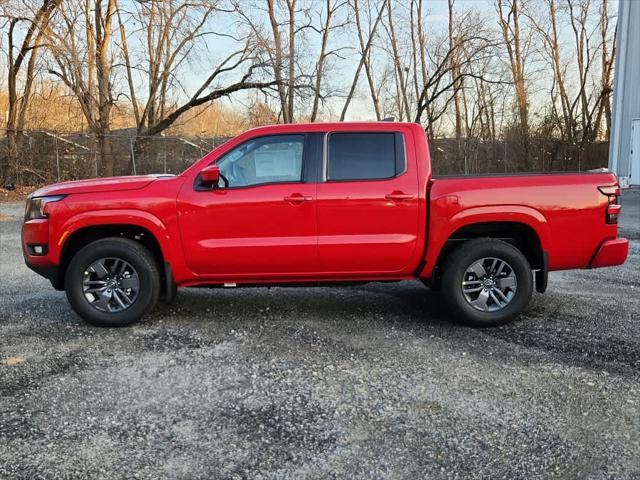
x=364 y=156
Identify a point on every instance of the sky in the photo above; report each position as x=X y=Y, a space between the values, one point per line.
x=215 y=48
x=361 y=107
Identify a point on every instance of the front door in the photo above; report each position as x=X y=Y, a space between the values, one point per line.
x=262 y=224
x=367 y=206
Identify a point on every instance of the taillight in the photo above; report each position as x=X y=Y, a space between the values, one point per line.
x=613 y=208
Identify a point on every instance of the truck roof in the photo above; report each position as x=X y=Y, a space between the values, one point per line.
x=320 y=127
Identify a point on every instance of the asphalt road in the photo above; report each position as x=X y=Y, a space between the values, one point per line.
x=362 y=382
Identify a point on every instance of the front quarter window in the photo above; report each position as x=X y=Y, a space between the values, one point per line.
x=272 y=159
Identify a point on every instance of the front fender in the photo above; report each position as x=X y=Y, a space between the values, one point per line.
x=443 y=228
x=96 y=218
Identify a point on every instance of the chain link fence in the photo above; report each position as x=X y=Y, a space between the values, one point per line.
x=46 y=157
x=466 y=156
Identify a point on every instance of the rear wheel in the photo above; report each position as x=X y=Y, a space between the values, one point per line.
x=487 y=282
x=112 y=282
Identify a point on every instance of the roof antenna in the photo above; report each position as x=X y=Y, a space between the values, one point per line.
x=389 y=119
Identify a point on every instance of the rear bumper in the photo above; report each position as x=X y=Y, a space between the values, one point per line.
x=610 y=253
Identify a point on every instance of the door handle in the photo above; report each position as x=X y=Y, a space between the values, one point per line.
x=297 y=198
x=398 y=196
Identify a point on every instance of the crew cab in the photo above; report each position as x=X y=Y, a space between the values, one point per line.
x=334 y=203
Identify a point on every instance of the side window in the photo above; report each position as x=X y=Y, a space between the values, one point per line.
x=365 y=156
x=277 y=158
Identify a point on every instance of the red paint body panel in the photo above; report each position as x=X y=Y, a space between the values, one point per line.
x=93 y=185
x=611 y=252
x=248 y=232
x=361 y=231
x=565 y=210
x=37 y=232
x=340 y=231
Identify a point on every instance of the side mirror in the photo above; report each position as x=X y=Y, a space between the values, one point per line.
x=210 y=175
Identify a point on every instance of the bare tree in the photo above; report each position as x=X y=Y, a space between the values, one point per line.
x=607 y=57
x=210 y=91
x=509 y=19
x=278 y=62
x=401 y=71
x=455 y=70
x=285 y=89
x=28 y=50
x=291 y=7
x=547 y=27
x=365 y=49
x=283 y=42
x=331 y=7
x=84 y=65
x=583 y=58
x=444 y=80
x=531 y=73
x=171 y=32
x=608 y=60
x=584 y=99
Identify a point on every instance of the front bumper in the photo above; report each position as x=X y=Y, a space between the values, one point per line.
x=36 y=232
x=610 y=253
x=50 y=272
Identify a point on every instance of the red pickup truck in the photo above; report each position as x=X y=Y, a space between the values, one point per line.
x=327 y=203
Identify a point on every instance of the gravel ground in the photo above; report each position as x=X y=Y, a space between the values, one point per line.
x=362 y=382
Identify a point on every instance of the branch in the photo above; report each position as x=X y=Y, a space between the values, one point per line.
x=213 y=95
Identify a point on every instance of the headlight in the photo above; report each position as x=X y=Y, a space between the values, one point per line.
x=35 y=206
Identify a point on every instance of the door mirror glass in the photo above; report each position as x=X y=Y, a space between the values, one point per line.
x=210 y=175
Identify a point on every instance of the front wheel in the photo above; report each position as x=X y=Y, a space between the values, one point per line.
x=487 y=282
x=112 y=282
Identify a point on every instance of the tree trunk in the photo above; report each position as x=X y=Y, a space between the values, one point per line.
x=559 y=76
x=363 y=61
x=510 y=26
x=604 y=106
x=321 y=61
x=103 y=77
x=292 y=60
x=106 y=165
x=277 y=61
x=18 y=105
x=403 y=101
x=455 y=73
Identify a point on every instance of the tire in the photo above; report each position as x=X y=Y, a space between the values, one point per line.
x=125 y=261
x=467 y=264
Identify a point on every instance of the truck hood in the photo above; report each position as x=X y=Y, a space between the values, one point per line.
x=109 y=184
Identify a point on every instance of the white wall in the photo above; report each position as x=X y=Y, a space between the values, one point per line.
x=626 y=94
x=634 y=173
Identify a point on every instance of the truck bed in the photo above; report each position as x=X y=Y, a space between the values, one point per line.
x=562 y=203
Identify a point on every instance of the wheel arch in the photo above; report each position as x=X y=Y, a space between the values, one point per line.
x=521 y=235
x=524 y=227
x=82 y=231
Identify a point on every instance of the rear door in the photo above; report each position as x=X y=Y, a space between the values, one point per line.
x=368 y=205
